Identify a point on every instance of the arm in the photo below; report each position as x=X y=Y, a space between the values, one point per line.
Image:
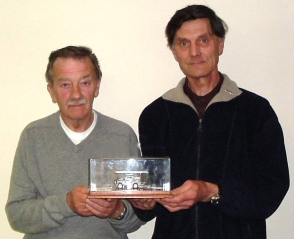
x=255 y=176
x=258 y=190
x=31 y=210
x=27 y=210
x=129 y=223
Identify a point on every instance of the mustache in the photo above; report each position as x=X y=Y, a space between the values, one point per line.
x=76 y=102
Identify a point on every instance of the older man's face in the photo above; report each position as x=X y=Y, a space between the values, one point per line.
x=74 y=88
x=196 y=49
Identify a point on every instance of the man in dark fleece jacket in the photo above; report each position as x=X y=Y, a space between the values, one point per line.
x=229 y=169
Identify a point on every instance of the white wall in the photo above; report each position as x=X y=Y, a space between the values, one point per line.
x=128 y=38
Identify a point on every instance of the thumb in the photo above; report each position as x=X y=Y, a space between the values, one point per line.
x=83 y=189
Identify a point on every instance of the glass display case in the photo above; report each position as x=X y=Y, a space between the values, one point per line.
x=129 y=177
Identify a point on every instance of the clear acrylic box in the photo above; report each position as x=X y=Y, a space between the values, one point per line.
x=144 y=177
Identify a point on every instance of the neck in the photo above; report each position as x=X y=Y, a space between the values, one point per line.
x=202 y=86
x=78 y=125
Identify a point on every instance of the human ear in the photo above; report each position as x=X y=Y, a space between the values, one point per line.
x=51 y=92
x=221 y=45
x=174 y=53
x=97 y=88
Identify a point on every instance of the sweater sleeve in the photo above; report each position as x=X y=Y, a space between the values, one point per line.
x=27 y=210
x=130 y=223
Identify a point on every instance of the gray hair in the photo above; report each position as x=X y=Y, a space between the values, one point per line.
x=75 y=52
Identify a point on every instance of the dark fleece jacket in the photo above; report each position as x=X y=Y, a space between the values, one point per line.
x=238 y=145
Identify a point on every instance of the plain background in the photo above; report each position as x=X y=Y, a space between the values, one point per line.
x=128 y=39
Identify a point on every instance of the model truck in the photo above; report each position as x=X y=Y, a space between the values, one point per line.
x=130 y=180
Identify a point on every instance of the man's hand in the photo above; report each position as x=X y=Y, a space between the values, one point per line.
x=191 y=192
x=105 y=208
x=143 y=203
x=76 y=200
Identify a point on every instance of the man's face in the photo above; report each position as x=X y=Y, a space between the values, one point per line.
x=74 y=88
x=196 y=49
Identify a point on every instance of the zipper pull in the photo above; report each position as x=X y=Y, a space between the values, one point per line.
x=200 y=125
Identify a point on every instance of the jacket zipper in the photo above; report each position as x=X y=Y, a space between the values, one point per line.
x=199 y=131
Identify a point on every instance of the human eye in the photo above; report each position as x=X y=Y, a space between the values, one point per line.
x=64 y=85
x=86 y=83
x=203 y=40
x=184 y=43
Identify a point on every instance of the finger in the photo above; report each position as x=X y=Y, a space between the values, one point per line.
x=94 y=211
x=97 y=210
x=85 y=190
x=174 y=209
x=144 y=206
x=111 y=199
x=102 y=207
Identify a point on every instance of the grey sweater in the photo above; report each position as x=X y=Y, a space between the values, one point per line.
x=47 y=165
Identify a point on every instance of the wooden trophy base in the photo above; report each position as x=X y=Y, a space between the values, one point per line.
x=130 y=194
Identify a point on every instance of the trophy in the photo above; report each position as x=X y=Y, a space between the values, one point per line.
x=143 y=177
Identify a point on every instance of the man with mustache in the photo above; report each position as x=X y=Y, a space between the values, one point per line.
x=229 y=168
x=48 y=189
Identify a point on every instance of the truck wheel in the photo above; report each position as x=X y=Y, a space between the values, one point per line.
x=119 y=186
x=135 y=186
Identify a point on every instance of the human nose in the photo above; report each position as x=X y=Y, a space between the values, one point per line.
x=194 y=49
x=76 y=92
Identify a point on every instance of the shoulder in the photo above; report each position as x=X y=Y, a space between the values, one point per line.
x=254 y=100
x=154 y=109
x=252 y=95
x=110 y=125
x=47 y=122
x=256 y=109
x=155 y=105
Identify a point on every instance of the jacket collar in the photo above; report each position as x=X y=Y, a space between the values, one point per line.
x=229 y=90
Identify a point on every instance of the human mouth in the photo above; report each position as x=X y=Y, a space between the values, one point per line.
x=196 y=62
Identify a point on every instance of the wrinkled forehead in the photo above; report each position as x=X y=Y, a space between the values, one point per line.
x=198 y=27
x=72 y=68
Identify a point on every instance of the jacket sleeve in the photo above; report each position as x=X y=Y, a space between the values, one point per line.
x=26 y=210
x=256 y=189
